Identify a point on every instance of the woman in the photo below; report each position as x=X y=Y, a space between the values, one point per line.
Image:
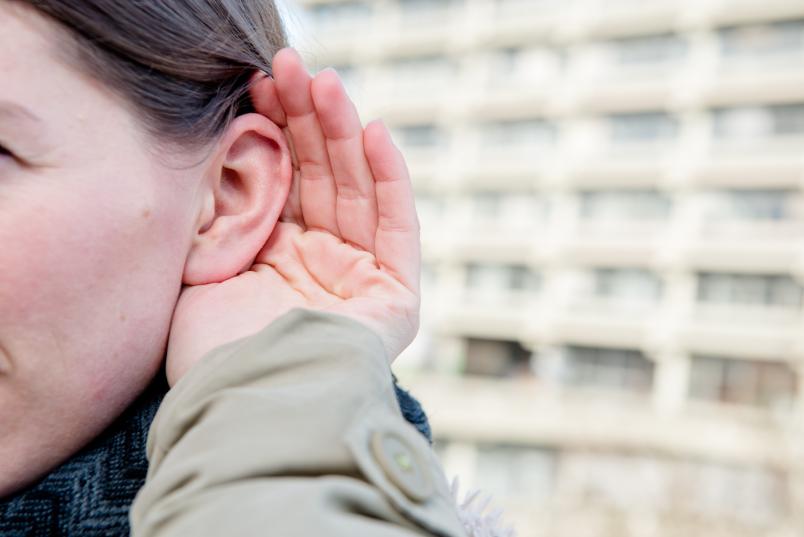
x=270 y=260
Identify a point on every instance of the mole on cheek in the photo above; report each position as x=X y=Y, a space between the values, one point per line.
x=146 y=213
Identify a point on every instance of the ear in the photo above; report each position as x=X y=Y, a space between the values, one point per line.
x=245 y=188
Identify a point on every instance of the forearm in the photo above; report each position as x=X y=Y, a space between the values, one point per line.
x=296 y=430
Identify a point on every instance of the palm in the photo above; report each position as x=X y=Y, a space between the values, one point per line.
x=322 y=268
x=348 y=238
x=329 y=274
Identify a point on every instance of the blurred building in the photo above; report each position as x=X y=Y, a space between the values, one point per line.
x=612 y=213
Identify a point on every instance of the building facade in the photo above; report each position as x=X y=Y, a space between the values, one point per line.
x=612 y=215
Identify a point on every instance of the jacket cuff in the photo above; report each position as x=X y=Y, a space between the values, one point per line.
x=312 y=394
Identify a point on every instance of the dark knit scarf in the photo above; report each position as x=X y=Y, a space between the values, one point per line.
x=90 y=494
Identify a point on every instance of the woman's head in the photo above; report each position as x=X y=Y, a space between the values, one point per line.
x=184 y=65
x=130 y=164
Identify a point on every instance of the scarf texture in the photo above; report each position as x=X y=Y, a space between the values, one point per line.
x=90 y=494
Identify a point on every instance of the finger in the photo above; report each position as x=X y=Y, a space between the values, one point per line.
x=317 y=188
x=262 y=90
x=356 y=204
x=398 y=243
x=265 y=99
x=292 y=212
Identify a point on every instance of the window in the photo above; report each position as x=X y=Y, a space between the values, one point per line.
x=752 y=122
x=424 y=4
x=750 y=494
x=487 y=204
x=751 y=289
x=426 y=11
x=522 y=278
x=642 y=127
x=350 y=76
x=524 y=209
x=506 y=470
x=507 y=66
x=756 y=383
x=648 y=50
x=528 y=132
x=762 y=40
x=429 y=275
x=420 y=136
x=414 y=65
x=496 y=278
x=430 y=208
x=421 y=70
x=787 y=119
x=508 y=61
x=621 y=369
x=629 y=482
x=493 y=210
x=497 y=358
x=752 y=204
x=340 y=15
x=689 y=488
x=624 y=204
x=522 y=67
x=627 y=284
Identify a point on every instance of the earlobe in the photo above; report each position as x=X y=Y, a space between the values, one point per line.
x=246 y=186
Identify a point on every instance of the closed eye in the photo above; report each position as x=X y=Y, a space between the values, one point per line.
x=5 y=152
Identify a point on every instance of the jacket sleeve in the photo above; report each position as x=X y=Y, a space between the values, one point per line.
x=293 y=431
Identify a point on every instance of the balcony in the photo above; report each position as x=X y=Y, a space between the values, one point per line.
x=521 y=21
x=599 y=308
x=771 y=318
x=621 y=17
x=756 y=251
x=487 y=314
x=748 y=167
x=743 y=230
x=414 y=87
x=628 y=74
x=420 y=26
x=335 y=25
x=758 y=332
x=581 y=325
x=480 y=409
x=599 y=242
x=741 y=11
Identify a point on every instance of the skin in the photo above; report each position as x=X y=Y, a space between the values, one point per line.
x=297 y=206
x=79 y=197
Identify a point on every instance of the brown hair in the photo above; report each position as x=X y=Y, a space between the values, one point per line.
x=184 y=64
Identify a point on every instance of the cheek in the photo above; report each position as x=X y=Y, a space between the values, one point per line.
x=41 y=269
x=90 y=277
x=61 y=257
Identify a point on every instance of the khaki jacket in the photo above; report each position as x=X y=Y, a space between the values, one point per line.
x=293 y=431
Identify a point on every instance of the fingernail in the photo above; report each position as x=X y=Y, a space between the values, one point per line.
x=385 y=128
x=331 y=70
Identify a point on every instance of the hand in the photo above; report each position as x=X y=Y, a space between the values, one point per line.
x=347 y=241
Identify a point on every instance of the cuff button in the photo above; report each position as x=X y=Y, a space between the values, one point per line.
x=402 y=465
